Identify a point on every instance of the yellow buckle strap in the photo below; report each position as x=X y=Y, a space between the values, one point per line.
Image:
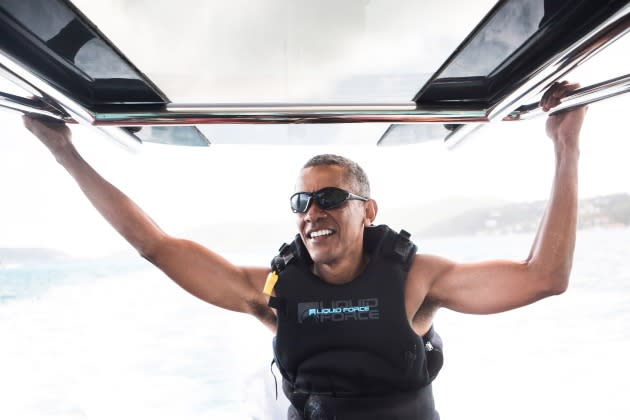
x=270 y=283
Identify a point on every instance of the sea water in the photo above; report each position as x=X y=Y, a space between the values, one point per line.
x=114 y=339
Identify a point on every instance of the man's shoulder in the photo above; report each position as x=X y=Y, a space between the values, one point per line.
x=426 y=267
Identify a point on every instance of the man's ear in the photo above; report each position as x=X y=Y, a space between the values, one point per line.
x=371 y=208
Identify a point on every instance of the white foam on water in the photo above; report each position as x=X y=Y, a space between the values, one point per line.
x=133 y=346
x=137 y=346
x=563 y=357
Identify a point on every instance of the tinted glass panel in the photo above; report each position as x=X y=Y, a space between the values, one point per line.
x=179 y=135
x=507 y=30
x=50 y=39
x=400 y=134
x=518 y=38
x=55 y=25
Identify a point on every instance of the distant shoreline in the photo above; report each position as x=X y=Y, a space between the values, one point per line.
x=13 y=257
x=448 y=218
x=597 y=212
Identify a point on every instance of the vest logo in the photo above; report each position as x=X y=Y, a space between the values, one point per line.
x=338 y=310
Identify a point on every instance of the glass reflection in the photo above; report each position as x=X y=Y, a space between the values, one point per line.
x=177 y=135
x=56 y=25
x=401 y=134
x=507 y=30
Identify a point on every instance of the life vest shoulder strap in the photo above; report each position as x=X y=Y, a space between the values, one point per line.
x=392 y=245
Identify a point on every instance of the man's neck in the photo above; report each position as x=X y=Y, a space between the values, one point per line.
x=343 y=271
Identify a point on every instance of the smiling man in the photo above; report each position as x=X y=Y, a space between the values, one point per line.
x=331 y=236
x=352 y=304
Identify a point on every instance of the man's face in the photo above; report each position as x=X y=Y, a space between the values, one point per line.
x=331 y=235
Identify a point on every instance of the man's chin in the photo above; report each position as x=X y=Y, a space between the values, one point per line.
x=320 y=257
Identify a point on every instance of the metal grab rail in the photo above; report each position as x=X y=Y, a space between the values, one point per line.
x=316 y=113
x=32 y=106
x=579 y=97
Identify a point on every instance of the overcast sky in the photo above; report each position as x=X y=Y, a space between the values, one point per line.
x=186 y=187
x=182 y=188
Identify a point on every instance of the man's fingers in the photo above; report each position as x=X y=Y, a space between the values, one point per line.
x=571 y=86
x=27 y=121
x=546 y=100
x=39 y=124
x=31 y=124
x=563 y=89
x=555 y=93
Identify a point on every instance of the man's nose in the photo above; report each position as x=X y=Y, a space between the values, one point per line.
x=314 y=212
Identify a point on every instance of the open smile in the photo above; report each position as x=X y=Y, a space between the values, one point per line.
x=320 y=233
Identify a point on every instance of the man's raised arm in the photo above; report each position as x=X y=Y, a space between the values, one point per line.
x=495 y=286
x=195 y=268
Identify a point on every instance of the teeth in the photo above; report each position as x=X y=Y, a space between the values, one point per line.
x=323 y=232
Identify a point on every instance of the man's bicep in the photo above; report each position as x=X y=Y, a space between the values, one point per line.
x=486 y=287
x=207 y=275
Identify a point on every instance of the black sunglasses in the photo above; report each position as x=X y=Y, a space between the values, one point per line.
x=326 y=199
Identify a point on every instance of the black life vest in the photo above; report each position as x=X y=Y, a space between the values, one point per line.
x=338 y=344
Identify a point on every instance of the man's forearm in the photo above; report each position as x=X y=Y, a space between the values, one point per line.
x=552 y=251
x=118 y=209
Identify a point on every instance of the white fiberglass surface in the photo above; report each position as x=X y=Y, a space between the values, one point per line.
x=287 y=50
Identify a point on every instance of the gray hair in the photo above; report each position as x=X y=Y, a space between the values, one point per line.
x=354 y=174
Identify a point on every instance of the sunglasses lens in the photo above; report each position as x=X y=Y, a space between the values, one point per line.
x=299 y=202
x=329 y=198
x=326 y=198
